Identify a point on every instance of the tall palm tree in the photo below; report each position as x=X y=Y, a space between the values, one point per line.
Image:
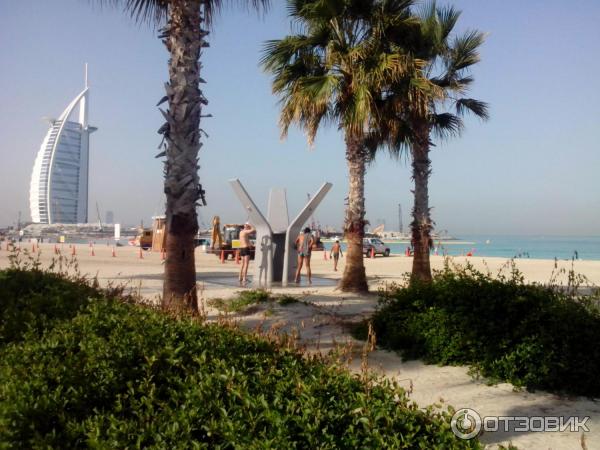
x=414 y=110
x=185 y=25
x=331 y=71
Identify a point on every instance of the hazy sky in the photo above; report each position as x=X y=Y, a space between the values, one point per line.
x=534 y=168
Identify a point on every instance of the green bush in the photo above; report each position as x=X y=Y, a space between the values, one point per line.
x=119 y=375
x=529 y=335
x=245 y=299
x=285 y=299
x=36 y=300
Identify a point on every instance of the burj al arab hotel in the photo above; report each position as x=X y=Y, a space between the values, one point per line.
x=59 y=184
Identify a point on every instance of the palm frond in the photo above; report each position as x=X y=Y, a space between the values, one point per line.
x=143 y=11
x=479 y=108
x=447 y=17
x=445 y=125
x=155 y=11
x=465 y=50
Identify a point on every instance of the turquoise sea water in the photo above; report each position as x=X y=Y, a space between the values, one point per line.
x=505 y=246
x=539 y=247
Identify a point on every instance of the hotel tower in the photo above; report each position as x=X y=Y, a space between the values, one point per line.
x=59 y=183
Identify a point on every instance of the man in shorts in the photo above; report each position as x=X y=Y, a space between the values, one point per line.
x=245 y=251
x=335 y=253
x=304 y=245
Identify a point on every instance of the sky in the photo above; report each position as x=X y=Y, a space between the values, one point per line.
x=533 y=168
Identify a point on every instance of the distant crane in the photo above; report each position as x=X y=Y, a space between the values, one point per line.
x=99 y=219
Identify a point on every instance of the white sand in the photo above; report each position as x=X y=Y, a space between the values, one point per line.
x=320 y=322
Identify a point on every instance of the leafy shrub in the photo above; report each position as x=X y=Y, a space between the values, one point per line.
x=243 y=300
x=36 y=300
x=248 y=298
x=285 y=299
x=528 y=335
x=119 y=375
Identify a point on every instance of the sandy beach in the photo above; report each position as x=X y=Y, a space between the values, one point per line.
x=322 y=316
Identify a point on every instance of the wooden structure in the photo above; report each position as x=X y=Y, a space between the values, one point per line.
x=159 y=234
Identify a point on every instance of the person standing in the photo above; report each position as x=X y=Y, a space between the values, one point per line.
x=304 y=245
x=335 y=253
x=245 y=251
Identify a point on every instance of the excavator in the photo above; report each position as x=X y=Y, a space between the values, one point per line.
x=229 y=240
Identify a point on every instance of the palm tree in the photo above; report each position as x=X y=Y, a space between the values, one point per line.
x=184 y=31
x=414 y=110
x=331 y=71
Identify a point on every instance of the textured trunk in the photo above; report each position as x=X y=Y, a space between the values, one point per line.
x=354 y=278
x=183 y=37
x=421 y=225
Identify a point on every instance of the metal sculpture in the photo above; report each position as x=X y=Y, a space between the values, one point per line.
x=275 y=253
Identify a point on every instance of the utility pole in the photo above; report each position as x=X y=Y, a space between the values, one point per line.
x=400 y=228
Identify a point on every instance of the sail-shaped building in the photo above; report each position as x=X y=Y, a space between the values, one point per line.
x=59 y=183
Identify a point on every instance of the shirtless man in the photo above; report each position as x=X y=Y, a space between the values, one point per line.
x=245 y=251
x=336 y=252
x=304 y=245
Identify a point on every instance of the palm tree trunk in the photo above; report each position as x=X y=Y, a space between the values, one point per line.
x=421 y=225
x=184 y=36
x=354 y=278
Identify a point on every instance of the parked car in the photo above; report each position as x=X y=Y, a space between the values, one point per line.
x=370 y=244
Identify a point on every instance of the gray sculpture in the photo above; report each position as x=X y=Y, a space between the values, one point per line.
x=275 y=257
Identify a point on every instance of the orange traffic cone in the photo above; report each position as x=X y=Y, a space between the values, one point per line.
x=372 y=252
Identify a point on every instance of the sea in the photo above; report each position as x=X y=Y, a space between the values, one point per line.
x=504 y=246
x=512 y=246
